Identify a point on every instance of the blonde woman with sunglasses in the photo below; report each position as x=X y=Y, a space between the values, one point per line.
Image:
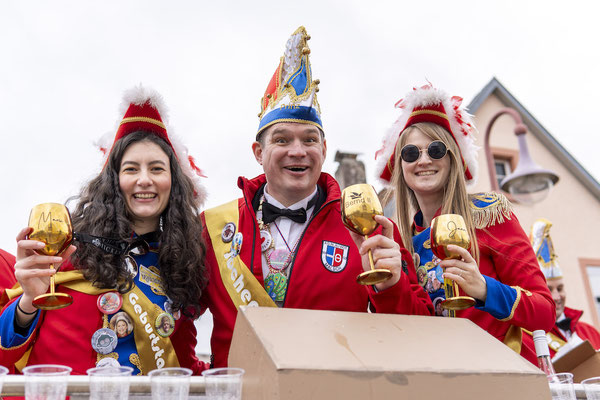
x=429 y=159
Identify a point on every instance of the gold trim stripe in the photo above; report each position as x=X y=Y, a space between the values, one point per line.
x=515 y=304
x=432 y=112
x=143 y=119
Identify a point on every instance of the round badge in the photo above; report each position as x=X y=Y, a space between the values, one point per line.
x=121 y=324
x=164 y=324
x=131 y=266
x=279 y=259
x=228 y=232
x=104 y=341
x=109 y=302
x=236 y=244
x=265 y=240
x=422 y=277
x=168 y=308
x=108 y=362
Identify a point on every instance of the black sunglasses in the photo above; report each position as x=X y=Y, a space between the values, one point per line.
x=436 y=151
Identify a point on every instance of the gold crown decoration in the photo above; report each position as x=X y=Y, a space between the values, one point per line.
x=291 y=95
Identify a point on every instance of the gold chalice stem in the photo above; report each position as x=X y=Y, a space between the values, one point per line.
x=52 y=280
x=370 y=257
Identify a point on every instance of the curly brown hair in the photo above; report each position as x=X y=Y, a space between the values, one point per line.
x=101 y=211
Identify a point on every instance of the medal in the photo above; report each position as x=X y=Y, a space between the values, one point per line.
x=130 y=266
x=108 y=362
x=109 y=302
x=104 y=341
x=266 y=240
x=236 y=244
x=279 y=259
x=228 y=232
x=276 y=285
x=164 y=324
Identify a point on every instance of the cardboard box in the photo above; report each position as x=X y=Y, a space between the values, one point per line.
x=307 y=354
x=582 y=361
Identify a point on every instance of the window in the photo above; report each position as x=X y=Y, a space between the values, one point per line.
x=591 y=277
x=503 y=169
x=505 y=162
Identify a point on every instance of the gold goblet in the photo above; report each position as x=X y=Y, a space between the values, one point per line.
x=449 y=229
x=51 y=223
x=360 y=204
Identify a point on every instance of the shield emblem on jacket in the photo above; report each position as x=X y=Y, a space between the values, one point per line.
x=334 y=256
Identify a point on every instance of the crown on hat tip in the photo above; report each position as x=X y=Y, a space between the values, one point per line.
x=291 y=94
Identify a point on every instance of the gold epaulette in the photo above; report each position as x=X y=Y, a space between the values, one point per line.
x=489 y=209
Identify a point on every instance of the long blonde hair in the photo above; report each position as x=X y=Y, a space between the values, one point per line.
x=455 y=200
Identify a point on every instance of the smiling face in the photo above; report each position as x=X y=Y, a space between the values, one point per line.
x=426 y=177
x=145 y=183
x=121 y=328
x=559 y=295
x=292 y=155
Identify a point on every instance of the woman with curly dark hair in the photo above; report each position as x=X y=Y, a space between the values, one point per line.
x=138 y=253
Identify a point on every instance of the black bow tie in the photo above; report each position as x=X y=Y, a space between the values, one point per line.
x=564 y=324
x=270 y=213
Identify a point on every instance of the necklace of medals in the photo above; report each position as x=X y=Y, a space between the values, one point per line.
x=278 y=260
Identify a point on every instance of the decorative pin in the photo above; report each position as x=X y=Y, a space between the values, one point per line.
x=236 y=244
x=121 y=324
x=168 y=307
x=266 y=240
x=108 y=362
x=109 y=302
x=131 y=266
x=104 y=341
x=228 y=232
x=164 y=324
x=279 y=259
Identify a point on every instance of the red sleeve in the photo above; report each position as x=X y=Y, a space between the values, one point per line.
x=587 y=331
x=7 y=271
x=184 y=343
x=406 y=296
x=509 y=250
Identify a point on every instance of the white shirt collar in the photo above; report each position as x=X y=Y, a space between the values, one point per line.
x=301 y=204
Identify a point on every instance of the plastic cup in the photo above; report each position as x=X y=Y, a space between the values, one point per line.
x=46 y=382
x=561 y=386
x=223 y=383
x=109 y=382
x=170 y=383
x=3 y=373
x=592 y=388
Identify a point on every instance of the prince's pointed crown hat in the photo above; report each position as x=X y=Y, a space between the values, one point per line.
x=544 y=249
x=143 y=109
x=291 y=95
x=430 y=104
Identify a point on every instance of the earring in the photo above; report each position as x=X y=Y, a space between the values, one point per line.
x=160 y=223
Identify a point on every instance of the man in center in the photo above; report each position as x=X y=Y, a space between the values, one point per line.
x=283 y=244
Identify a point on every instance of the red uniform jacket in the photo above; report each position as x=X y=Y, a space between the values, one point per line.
x=583 y=330
x=64 y=336
x=517 y=294
x=7 y=275
x=310 y=284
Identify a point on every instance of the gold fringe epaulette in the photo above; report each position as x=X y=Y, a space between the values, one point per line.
x=489 y=209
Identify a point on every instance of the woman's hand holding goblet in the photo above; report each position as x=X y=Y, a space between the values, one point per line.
x=465 y=273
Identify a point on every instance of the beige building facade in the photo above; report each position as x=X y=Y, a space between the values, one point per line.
x=573 y=205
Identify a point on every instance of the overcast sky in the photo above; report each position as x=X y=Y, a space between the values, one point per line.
x=65 y=64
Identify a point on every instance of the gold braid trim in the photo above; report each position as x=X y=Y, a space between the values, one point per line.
x=135 y=360
x=515 y=304
x=431 y=112
x=143 y=119
x=492 y=209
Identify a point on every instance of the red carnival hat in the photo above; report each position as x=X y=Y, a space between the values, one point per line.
x=429 y=104
x=143 y=109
